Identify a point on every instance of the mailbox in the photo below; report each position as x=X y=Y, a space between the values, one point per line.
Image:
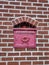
x=24 y=35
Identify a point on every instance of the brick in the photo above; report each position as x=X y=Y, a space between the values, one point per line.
x=10 y=44
x=46 y=36
x=0 y=31
x=20 y=7
x=0 y=40
x=42 y=40
x=39 y=28
x=31 y=8
x=21 y=0
x=8 y=32
x=28 y=20
x=47 y=53
x=2 y=63
x=48 y=16
x=46 y=20
x=37 y=4
x=31 y=15
x=19 y=49
x=45 y=28
x=43 y=58
x=2 y=54
x=37 y=62
x=40 y=20
x=3 y=10
x=7 y=23
x=14 y=11
x=46 y=12
x=25 y=63
x=23 y=18
x=0 y=6
x=3 y=19
x=15 y=3
x=0 y=14
x=25 y=53
x=26 y=4
x=10 y=28
x=7 y=49
x=46 y=62
x=11 y=36
x=3 y=36
x=31 y=49
x=8 y=6
x=19 y=58
x=11 y=0
x=0 y=23
x=32 y=0
x=42 y=24
x=46 y=45
x=7 y=40
x=37 y=12
x=20 y=20
x=43 y=1
x=12 y=63
x=42 y=32
x=7 y=59
x=37 y=53
x=29 y=12
x=17 y=21
x=39 y=36
x=46 y=5
x=43 y=49
x=13 y=54
x=3 y=2
x=39 y=45
x=31 y=58
x=17 y=15
x=3 y=44
x=3 y=27
x=42 y=16
x=9 y=15
x=36 y=23
x=11 y=19
x=42 y=8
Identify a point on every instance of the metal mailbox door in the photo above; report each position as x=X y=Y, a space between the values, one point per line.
x=24 y=37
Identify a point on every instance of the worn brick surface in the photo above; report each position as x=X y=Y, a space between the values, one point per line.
x=25 y=63
x=2 y=63
x=12 y=63
x=13 y=12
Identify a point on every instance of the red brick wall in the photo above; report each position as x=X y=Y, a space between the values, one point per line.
x=34 y=9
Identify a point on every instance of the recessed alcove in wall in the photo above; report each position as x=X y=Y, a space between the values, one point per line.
x=24 y=32
x=24 y=25
x=22 y=21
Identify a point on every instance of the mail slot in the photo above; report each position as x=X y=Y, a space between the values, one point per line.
x=24 y=36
